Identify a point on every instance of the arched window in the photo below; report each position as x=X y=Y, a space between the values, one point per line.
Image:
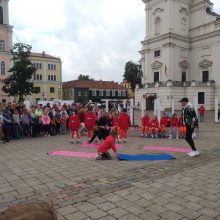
x=2 y=45
x=2 y=68
x=183 y=24
x=157 y=25
x=1 y=15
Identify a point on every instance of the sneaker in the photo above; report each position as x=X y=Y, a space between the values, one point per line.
x=156 y=136
x=124 y=141
x=152 y=136
x=71 y=141
x=170 y=137
x=78 y=141
x=119 y=141
x=146 y=135
x=193 y=153
x=177 y=137
x=142 y=135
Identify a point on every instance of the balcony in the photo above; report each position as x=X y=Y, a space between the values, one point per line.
x=171 y=83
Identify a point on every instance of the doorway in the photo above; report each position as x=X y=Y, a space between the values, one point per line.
x=150 y=101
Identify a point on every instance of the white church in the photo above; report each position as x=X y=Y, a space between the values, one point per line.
x=180 y=54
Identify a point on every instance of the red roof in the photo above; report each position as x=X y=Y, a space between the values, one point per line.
x=43 y=55
x=91 y=84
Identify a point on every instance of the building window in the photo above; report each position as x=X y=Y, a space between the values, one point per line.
x=156 y=77
x=183 y=76
x=54 y=78
x=79 y=93
x=201 y=98
x=51 y=66
x=40 y=77
x=123 y=93
x=2 y=45
x=157 y=53
x=205 y=76
x=48 y=77
x=1 y=15
x=37 y=89
x=93 y=92
x=108 y=92
x=85 y=94
x=52 y=90
x=100 y=93
x=37 y=65
x=157 y=25
x=2 y=68
x=113 y=93
x=183 y=24
x=119 y=93
x=35 y=76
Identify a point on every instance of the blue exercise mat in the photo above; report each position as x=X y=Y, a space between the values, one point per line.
x=141 y=157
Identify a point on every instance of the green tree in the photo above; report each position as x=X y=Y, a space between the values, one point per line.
x=84 y=77
x=133 y=73
x=19 y=82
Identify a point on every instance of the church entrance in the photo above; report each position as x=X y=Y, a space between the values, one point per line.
x=150 y=101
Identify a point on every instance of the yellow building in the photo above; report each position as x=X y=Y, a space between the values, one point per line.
x=5 y=46
x=48 y=77
x=127 y=85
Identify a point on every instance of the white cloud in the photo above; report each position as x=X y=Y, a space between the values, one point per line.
x=92 y=37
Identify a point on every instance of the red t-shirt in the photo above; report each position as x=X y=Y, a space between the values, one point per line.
x=108 y=144
x=145 y=121
x=124 y=121
x=89 y=120
x=74 y=122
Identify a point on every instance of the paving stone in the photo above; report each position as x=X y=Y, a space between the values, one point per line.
x=67 y=210
x=76 y=215
x=106 y=206
x=149 y=216
x=209 y=212
x=96 y=214
x=117 y=212
x=129 y=217
x=189 y=213
x=173 y=207
x=170 y=215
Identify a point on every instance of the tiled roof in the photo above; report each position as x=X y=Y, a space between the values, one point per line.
x=43 y=55
x=91 y=84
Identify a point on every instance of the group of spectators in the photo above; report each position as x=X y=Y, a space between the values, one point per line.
x=17 y=121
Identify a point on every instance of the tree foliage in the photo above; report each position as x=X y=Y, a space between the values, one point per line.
x=84 y=77
x=19 y=82
x=133 y=73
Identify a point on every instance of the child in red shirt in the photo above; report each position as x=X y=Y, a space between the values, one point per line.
x=145 y=125
x=124 y=124
x=163 y=125
x=154 y=127
x=174 y=128
x=182 y=127
x=109 y=143
x=74 y=125
x=89 y=121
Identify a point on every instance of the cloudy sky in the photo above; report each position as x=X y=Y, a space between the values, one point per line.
x=95 y=37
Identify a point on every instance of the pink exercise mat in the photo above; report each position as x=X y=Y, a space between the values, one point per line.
x=93 y=145
x=73 y=154
x=168 y=149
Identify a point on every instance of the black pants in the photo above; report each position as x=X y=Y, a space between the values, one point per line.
x=6 y=133
x=189 y=139
x=106 y=156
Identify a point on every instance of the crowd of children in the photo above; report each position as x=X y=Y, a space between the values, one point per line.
x=169 y=126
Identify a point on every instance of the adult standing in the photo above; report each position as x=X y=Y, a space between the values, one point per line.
x=189 y=119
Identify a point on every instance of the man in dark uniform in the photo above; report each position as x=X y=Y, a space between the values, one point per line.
x=189 y=120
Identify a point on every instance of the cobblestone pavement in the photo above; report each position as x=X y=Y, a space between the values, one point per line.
x=185 y=188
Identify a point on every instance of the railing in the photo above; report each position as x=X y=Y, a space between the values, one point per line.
x=171 y=83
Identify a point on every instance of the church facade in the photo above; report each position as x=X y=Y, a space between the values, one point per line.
x=5 y=46
x=180 y=53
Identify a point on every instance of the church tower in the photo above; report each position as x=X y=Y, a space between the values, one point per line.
x=5 y=44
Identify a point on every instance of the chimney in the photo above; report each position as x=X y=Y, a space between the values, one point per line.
x=43 y=53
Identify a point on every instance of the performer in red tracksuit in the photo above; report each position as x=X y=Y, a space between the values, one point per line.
x=89 y=120
x=124 y=124
x=109 y=143
x=154 y=127
x=145 y=125
x=163 y=125
x=74 y=125
x=174 y=128
x=116 y=123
